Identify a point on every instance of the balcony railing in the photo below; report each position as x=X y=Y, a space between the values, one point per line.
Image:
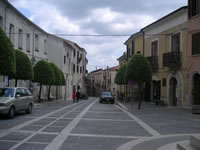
x=153 y=60
x=172 y=59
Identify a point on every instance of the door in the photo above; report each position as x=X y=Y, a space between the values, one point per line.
x=156 y=90
x=173 y=92
x=19 y=100
x=147 y=92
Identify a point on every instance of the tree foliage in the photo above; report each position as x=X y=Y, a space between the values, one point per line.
x=63 y=78
x=43 y=73
x=7 y=55
x=138 y=70
x=120 y=76
x=24 y=69
x=56 y=70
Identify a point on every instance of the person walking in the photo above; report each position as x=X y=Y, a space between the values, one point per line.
x=74 y=96
x=77 y=96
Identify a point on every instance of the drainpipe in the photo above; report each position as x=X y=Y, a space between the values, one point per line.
x=143 y=34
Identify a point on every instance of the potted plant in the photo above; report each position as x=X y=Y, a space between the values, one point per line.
x=196 y=100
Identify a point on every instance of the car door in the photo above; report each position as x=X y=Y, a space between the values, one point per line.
x=19 y=99
x=25 y=100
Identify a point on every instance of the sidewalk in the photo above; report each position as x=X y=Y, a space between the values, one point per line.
x=45 y=103
x=172 y=123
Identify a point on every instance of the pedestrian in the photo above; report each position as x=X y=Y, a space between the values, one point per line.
x=74 y=96
x=77 y=96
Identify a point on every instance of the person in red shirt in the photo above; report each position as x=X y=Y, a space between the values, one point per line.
x=74 y=96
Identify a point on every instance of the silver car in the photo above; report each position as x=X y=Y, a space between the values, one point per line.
x=15 y=99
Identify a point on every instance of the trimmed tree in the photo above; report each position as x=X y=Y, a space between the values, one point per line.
x=139 y=71
x=120 y=76
x=7 y=55
x=63 y=78
x=58 y=78
x=43 y=74
x=24 y=69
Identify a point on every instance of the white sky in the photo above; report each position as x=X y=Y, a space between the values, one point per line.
x=104 y=17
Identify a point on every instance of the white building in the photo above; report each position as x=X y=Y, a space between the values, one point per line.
x=38 y=44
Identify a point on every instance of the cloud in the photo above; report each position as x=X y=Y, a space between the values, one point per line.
x=96 y=17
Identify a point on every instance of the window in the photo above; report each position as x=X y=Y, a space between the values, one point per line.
x=80 y=69
x=12 y=33
x=133 y=47
x=28 y=43
x=1 y=22
x=194 y=8
x=74 y=53
x=36 y=43
x=20 y=39
x=128 y=52
x=74 y=68
x=175 y=41
x=77 y=56
x=45 y=47
x=196 y=43
x=64 y=59
x=154 y=48
x=77 y=68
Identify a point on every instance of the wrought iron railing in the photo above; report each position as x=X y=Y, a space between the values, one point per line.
x=172 y=59
x=153 y=60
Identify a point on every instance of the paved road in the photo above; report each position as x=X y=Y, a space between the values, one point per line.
x=86 y=125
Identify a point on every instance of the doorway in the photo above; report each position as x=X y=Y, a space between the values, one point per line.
x=173 y=92
x=156 y=90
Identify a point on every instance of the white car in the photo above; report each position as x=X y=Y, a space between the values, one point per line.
x=15 y=99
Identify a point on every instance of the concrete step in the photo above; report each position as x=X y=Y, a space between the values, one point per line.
x=185 y=145
x=195 y=142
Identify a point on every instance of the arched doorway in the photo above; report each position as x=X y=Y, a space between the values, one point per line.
x=173 y=92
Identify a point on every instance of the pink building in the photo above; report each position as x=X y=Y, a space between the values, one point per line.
x=193 y=46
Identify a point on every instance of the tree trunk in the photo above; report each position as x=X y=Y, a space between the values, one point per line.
x=56 y=92
x=140 y=96
x=40 y=92
x=49 y=92
x=16 y=82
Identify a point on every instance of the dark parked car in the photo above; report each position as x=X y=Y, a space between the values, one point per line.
x=15 y=99
x=106 y=97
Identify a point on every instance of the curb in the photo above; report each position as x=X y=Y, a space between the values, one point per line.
x=39 y=105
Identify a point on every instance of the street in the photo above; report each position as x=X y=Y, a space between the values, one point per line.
x=89 y=125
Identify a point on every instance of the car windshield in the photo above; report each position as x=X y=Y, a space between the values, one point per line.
x=106 y=94
x=6 y=92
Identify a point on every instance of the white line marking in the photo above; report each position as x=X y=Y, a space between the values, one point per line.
x=59 y=140
x=141 y=123
x=91 y=119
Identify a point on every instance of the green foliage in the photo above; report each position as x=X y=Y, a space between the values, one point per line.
x=196 y=95
x=43 y=73
x=63 y=78
x=56 y=70
x=24 y=69
x=7 y=55
x=120 y=76
x=138 y=70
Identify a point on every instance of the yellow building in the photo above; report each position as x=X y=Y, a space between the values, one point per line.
x=165 y=47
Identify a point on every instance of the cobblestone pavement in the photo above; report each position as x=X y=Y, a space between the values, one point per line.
x=89 y=125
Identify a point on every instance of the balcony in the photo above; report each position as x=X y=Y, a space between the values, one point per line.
x=172 y=60
x=153 y=60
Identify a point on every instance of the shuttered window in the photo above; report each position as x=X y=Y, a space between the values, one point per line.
x=196 y=43
x=176 y=42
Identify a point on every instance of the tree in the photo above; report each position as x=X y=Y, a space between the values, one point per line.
x=43 y=74
x=120 y=76
x=63 y=78
x=7 y=55
x=58 y=78
x=24 y=69
x=139 y=71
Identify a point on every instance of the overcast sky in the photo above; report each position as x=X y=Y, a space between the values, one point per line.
x=104 y=17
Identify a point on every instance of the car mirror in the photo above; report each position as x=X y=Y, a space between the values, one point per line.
x=18 y=95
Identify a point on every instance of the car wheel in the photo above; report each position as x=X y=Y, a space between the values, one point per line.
x=113 y=102
x=11 y=112
x=29 y=109
x=100 y=101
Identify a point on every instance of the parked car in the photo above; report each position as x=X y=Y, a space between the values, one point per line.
x=13 y=100
x=106 y=97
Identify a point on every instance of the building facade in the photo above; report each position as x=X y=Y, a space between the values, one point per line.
x=164 y=45
x=193 y=68
x=37 y=44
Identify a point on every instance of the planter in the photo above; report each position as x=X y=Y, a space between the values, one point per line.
x=195 y=109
